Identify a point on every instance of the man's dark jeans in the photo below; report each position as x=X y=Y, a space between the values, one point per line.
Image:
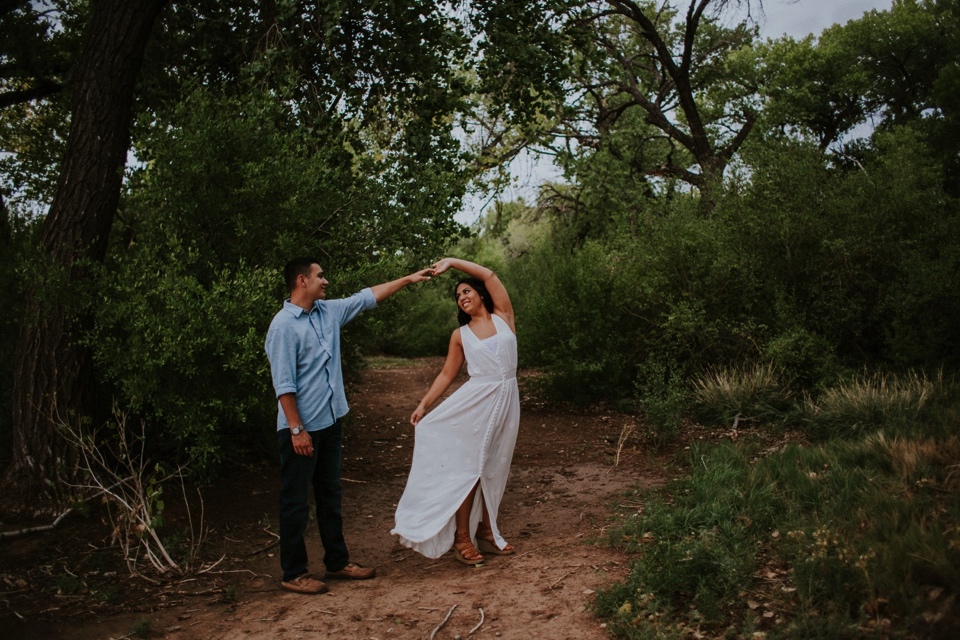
x=297 y=473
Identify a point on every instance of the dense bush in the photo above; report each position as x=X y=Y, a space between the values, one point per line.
x=812 y=269
x=231 y=189
x=421 y=324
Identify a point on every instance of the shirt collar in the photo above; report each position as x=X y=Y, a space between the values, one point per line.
x=295 y=309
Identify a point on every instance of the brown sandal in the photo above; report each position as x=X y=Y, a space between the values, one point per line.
x=465 y=552
x=487 y=544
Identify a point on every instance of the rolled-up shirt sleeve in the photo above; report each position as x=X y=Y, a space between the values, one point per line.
x=349 y=308
x=281 y=348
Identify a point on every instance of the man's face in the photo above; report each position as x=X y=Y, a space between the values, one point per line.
x=316 y=284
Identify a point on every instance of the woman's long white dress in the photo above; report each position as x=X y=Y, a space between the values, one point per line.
x=468 y=438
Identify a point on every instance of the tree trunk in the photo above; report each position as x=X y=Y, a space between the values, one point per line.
x=53 y=383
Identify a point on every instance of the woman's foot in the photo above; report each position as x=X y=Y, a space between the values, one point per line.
x=465 y=552
x=487 y=544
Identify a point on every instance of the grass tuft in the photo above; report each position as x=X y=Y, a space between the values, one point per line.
x=871 y=402
x=754 y=392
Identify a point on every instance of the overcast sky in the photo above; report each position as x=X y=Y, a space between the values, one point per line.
x=797 y=18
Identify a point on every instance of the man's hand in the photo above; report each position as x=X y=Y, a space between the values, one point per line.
x=383 y=291
x=302 y=444
x=420 y=276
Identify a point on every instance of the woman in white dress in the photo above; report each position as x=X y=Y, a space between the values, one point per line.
x=463 y=448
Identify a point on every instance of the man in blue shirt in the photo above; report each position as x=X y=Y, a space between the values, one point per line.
x=303 y=346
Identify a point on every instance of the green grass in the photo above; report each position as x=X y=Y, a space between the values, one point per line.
x=142 y=629
x=838 y=540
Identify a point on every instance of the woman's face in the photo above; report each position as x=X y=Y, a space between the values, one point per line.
x=468 y=299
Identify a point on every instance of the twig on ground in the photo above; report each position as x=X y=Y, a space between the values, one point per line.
x=479 y=624
x=267 y=530
x=561 y=578
x=45 y=527
x=625 y=433
x=262 y=549
x=213 y=565
x=354 y=481
x=222 y=571
x=443 y=622
x=206 y=592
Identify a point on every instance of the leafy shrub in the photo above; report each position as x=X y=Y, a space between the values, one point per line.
x=662 y=397
x=422 y=323
x=566 y=323
x=803 y=356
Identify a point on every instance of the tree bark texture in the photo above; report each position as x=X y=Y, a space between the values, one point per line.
x=53 y=382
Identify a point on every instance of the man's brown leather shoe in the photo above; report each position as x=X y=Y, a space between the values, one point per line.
x=352 y=571
x=304 y=584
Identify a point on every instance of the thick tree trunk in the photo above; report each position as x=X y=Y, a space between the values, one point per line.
x=53 y=382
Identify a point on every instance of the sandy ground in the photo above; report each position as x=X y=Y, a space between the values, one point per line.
x=570 y=477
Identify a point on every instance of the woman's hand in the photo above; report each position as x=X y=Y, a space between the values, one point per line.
x=441 y=265
x=417 y=415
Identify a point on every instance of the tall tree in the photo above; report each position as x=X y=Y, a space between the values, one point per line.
x=374 y=85
x=679 y=76
x=53 y=375
x=667 y=66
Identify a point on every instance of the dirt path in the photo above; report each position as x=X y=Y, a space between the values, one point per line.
x=563 y=490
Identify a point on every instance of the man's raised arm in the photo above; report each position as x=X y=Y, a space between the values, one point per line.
x=383 y=291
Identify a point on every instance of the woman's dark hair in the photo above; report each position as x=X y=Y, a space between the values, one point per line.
x=462 y=316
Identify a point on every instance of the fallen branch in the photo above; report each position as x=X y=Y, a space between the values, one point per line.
x=267 y=530
x=206 y=592
x=217 y=573
x=262 y=549
x=213 y=565
x=443 y=622
x=45 y=527
x=561 y=578
x=479 y=624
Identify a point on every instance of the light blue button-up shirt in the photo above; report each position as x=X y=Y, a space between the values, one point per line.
x=304 y=353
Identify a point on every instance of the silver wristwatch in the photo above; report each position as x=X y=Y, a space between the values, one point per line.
x=296 y=430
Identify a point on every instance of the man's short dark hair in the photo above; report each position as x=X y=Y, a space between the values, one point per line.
x=298 y=267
